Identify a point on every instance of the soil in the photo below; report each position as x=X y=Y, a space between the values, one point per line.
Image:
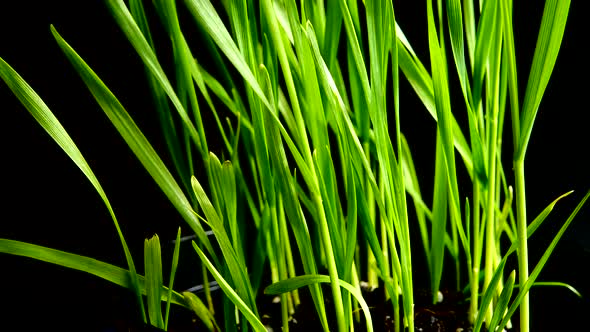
x=448 y=316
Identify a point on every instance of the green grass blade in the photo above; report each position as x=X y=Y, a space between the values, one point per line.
x=183 y=63
x=220 y=92
x=455 y=22
x=167 y=123
x=352 y=224
x=489 y=292
x=489 y=295
x=534 y=225
x=206 y=14
x=548 y=44
x=135 y=140
x=133 y=33
x=413 y=188
x=153 y=276
x=483 y=46
x=445 y=123
x=345 y=125
x=556 y=284
x=39 y=110
x=106 y=271
x=199 y=79
x=354 y=45
x=172 y=275
x=286 y=185
x=469 y=15
x=510 y=63
x=439 y=219
x=503 y=300
x=235 y=264
x=230 y=293
x=421 y=82
x=332 y=33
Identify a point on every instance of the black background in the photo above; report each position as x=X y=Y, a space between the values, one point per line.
x=46 y=200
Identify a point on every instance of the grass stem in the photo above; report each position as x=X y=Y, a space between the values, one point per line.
x=522 y=252
x=332 y=269
x=490 y=234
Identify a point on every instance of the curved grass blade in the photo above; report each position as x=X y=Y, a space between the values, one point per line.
x=200 y=309
x=106 y=271
x=533 y=226
x=291 y=284
x=39 y=110
x=135 y=140
x=555 y=284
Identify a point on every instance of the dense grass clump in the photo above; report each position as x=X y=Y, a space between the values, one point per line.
x=283 y=123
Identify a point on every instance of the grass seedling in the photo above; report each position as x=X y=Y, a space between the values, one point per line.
x=294 y=138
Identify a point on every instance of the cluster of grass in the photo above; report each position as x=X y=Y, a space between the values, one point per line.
x=312 y=163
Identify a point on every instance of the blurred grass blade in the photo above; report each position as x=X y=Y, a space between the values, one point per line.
x=230 y=293
x=206 y=14
x=135 y=140
x=143 y=49
x=106 y=271
x=153 y=277
x=200 y=309
x=503 y=300
x=51 y=125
